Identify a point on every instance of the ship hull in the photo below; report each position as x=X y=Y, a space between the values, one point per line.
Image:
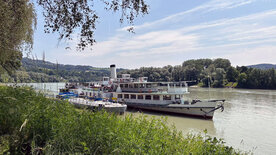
x=203 y=112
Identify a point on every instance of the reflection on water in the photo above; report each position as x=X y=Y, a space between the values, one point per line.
x=248 y=120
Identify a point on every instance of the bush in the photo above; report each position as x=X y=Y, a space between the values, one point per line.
x=31 y=124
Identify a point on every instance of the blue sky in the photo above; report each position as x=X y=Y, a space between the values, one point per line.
x=243 y=31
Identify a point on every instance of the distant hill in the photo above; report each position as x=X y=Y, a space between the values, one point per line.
x=262 y=66
x=35 y=65
x=45 y=71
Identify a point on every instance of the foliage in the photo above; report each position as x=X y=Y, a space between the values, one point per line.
x=235 y=84
x=219 y=76
x=232 y=74
x=65 y=17
x=44 y=71
x=18 y=20
x=191 y=70
x=204 y=71
x=33 y=124
x=258 y=78
x=216 y=73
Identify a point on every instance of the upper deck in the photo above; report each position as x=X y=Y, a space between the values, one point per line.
x=153 y=87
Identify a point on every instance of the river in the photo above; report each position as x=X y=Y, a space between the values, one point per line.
x=248 y=121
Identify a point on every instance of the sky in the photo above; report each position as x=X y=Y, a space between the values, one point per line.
x=243 y=31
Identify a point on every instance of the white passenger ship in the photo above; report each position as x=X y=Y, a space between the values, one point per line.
x=169 y=97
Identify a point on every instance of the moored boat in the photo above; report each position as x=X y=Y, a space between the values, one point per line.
x=174 y=102
x=99 y=105
x=168 y=97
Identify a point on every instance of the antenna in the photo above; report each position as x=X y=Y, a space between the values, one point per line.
x=57 y=75
x=57 y=66
x=209 y=80
x=43 y=57
x=44 y=70
x=36 y=57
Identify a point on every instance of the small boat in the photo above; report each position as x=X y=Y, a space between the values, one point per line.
x=66 y=94
x=99 y=105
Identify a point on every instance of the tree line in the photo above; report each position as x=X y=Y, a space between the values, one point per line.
x=207 y=72
x=44 y=71
x=203 y=72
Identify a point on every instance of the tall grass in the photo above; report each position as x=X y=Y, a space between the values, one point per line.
x=33 y=124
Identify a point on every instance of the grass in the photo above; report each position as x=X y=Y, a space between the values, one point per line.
x=200 y=84
x=231 y=84
x=33 y=124
x=235 y=84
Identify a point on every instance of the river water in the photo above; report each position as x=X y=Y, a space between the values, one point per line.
x=248 y=121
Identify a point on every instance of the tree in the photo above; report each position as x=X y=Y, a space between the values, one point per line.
x=222 y=63
x=219 y=76
x=232 y=74
x=65 y=17
x=242 y=80
x=17 y=24
x=242 y=69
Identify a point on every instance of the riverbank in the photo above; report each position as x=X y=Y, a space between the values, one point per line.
x=31 y=123
x=227 y=85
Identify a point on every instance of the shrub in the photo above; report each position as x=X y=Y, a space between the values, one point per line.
x=32 y=124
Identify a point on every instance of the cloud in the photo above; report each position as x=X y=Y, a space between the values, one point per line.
x=249 y=56
x=212 y=5
x=232 y=38
x=157 y=42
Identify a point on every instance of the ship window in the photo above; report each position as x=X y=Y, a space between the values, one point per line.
x=148 y=85
x=166 y=97
x=148 y=97
x=156 y=97
x=120 y=95
x=131 y=86
x=126 y=85
x=141 y=97
x=177 y=96
x=135 y=85
x=142 y=86
x=133 y=96
x=126 y=96
x=121 y=85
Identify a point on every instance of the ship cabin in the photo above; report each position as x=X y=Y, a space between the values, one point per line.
x=150 y=98
x=151 y=87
